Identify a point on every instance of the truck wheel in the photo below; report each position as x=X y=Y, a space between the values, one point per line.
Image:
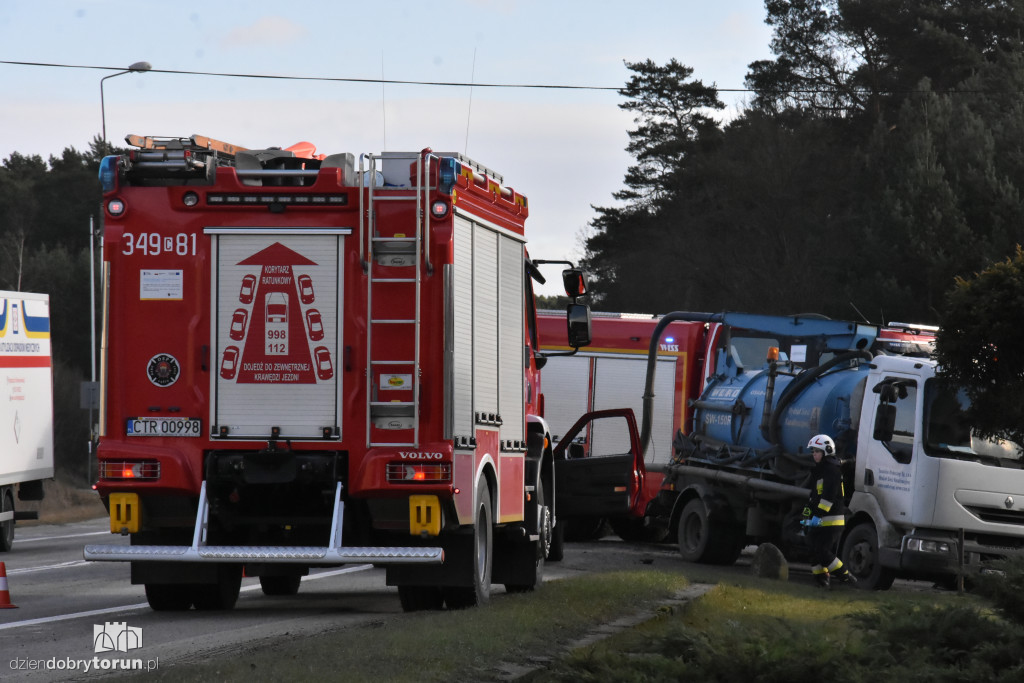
x=169 y=597
x=544 y=525
x=420 y=598
x=6 y=528
x=635 y=531
x=221 y=595
x=860 y=555
x=280 y=585
x=694 y=531
x=461 y=597
x=557 y=550
x=704 y=540
x=586 y=529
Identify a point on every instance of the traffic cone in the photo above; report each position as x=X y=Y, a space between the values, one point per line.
x=5 y=594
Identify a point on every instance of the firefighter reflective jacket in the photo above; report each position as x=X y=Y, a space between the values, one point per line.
x=827 y=500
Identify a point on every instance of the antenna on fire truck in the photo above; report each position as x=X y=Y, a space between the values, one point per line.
x=469 y=109
x=383 y=105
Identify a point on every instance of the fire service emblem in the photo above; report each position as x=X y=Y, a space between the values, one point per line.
x=163 y=370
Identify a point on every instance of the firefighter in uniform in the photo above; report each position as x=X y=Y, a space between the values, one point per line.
x=824 y=515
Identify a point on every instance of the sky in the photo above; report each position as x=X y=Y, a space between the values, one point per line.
x=563 y=148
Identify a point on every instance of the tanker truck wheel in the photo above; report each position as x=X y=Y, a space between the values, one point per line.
x=707 y=541
x=860 y=555
x=694 y=531
x=461 y=597
x=6 y=528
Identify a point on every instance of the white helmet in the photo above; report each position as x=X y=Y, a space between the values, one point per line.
x=822 y=442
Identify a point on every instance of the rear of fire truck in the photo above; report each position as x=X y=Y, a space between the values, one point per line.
x=311 y=362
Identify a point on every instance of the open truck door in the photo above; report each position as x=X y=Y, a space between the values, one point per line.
x=599 y=469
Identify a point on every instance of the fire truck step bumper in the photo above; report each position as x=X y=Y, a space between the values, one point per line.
x=334 y=554
x=280 y=555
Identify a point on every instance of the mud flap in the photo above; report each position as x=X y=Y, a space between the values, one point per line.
x=173 y=573
x=515 y=561
x=457 y=569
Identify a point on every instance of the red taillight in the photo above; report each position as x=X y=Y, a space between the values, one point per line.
x=415 y=473
x=123 y=469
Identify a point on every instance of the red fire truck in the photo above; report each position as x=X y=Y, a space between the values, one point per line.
x=309 y=361
x=610 y=374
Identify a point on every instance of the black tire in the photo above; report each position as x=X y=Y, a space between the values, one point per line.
x=635 y=531
x=706 y=541
x=280 y=585
x=585 y=529
x=557 y=550
x=221 y=595
x=169 y=597
x=860 y=555
x=694 y=531
x=6 y=528
x=545 y=524
x=420 y=598
x=479 y=593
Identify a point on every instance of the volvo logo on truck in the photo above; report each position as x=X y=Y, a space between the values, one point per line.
x=420 y=455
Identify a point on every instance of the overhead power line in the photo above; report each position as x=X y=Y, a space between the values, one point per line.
x=329 y=79
x=459 y=84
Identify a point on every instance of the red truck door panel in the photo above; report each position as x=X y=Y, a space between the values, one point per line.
x=598 y=469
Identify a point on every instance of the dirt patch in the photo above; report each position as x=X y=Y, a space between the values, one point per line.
x=63 y=502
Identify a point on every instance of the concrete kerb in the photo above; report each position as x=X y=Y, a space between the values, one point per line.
x=513 y=671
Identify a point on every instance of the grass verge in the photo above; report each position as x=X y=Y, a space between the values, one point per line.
x=751 y=629
x=468 y=645
x=779 y=633
x=63 y=502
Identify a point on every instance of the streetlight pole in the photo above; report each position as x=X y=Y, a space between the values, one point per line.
x=137 y=67
x=92 y=392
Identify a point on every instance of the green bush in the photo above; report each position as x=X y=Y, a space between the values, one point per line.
x=1004 y=587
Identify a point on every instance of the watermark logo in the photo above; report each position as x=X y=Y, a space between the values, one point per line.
x=116 y=636
x=113 y=636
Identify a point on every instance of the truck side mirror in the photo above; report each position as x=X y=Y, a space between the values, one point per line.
x=885 y=422
x=575 y=282
x=578 y=319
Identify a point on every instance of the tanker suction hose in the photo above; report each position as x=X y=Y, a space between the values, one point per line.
x=652 y=362
x=802 y=381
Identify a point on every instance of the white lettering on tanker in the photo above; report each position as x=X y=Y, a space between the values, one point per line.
x=724 y=394
x=272 y=329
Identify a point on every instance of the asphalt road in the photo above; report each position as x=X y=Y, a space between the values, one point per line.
x=65 y=603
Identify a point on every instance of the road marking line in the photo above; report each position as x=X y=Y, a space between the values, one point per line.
x=62 y=565
x=145 y=605
x=54 y=538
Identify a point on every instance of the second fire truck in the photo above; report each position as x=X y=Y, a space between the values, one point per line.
x=315 y=360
